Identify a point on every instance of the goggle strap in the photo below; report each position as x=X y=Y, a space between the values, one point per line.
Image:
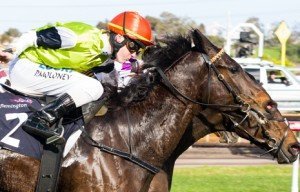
x=116 y=46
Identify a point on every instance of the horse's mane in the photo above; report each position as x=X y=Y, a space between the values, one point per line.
x=166 y=51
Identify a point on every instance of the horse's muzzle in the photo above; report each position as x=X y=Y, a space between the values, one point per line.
x=294 y=149
x=288 y=155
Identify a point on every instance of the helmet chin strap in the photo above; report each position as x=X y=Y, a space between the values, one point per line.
x=116 y=46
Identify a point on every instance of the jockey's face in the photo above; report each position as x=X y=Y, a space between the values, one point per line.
x=129 y=50
x=123 y=54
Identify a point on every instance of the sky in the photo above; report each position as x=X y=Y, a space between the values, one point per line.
x=29 y=14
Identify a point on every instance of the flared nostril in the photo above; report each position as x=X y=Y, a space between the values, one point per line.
x=294 y=149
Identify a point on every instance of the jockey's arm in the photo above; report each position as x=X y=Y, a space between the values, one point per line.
x=52 y=37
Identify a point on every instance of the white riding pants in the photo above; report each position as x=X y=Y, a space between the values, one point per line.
x=37 y=80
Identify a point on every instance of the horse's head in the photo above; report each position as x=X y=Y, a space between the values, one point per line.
x=244 y=104
x=196 y=71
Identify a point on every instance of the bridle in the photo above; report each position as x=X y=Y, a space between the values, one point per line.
x=241 y=105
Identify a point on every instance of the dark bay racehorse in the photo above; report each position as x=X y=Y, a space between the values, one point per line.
x=160 y=121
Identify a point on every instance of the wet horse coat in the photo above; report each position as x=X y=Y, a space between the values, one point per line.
x=157 y=125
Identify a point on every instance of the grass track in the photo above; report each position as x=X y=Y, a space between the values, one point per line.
x=262 y=178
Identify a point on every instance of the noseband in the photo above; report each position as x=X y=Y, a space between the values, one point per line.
x=242 y=105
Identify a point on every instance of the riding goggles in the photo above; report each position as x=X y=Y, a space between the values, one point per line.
x=134 y=46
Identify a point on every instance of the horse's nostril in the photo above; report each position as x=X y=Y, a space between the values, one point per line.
x=295 y=149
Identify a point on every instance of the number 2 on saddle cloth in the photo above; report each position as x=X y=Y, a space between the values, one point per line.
x=14 y=111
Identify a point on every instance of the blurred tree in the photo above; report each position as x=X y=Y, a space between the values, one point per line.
x=271 y=40
x=293 y=52
x=295 y=36
x=9 y=35
x=168 y=23
x=217 y=40
x=13 y=32
x=102 y=25
x=4 y=39
x=153 y=21
x=293 y=44
x=256 y=22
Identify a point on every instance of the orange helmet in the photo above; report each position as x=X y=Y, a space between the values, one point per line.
x=133 y=25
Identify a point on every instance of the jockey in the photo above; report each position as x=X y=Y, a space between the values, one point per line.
x=53 y=59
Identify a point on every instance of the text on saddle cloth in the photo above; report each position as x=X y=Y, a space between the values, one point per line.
x=14 y=111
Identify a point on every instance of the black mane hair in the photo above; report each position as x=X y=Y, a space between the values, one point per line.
x=167 y=51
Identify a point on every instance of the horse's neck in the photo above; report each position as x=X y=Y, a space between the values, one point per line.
x=151 y=129
x=160 y=129
x=207 y=121
x=196 y=130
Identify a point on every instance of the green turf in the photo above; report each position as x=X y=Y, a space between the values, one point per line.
x=260 y=178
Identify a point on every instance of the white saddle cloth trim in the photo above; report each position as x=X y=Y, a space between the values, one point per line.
x=71 y=141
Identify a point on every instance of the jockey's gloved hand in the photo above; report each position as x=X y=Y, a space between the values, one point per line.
x=135 y=67
x=109 y=82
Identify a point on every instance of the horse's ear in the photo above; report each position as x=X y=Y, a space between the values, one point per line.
x=202 y=43
x=197 y=40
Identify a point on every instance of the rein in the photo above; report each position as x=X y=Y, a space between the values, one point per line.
x=128 y=156
x=175 y=91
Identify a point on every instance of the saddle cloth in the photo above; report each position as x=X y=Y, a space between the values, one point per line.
x=14 y=111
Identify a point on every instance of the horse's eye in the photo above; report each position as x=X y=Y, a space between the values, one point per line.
x=234 y=69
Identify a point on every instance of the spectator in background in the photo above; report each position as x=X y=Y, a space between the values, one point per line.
x=272 y=77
